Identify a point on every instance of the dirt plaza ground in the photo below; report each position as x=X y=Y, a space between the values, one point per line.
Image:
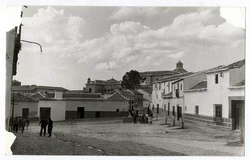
x=111 y=137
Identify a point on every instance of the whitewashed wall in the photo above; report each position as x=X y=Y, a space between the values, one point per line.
x=58 y=108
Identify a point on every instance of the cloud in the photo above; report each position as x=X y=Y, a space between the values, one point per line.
x=53 y=30
x=130 y=44
x=133 y=43
x=177 y=55
x=126 y=12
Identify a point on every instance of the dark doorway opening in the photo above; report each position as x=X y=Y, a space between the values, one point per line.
x=97 y=114
x=80 y=112
x=25 y=113
x=179 y=112
x=238 y=114
x=45 y=112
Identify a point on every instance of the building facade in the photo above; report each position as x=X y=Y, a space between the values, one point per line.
x=163 y=92
x=220 y=99
x=150 y=76
x=102 y=86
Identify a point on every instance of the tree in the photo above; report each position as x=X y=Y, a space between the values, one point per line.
x=131 y=80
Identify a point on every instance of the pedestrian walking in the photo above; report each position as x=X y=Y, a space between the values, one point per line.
x=15 y=124
x=27 y=123
x=134 y=117
x=50 y=126
x=23 y=125
x=43 y=123
x=19 y=123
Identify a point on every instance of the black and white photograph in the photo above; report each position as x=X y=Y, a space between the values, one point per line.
x=125 y=80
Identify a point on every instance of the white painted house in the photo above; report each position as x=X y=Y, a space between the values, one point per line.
x=218 y=100
x=162 y=90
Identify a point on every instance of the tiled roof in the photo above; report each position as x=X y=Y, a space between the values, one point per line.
x=37 y=96
x=111 y=81
x=77 y=91
x=237 y=64
x=18 y=97
x=179 y=70
x=173 y=77
x=75 y=95
x=23 y=88
x=116 y=97
x=155 y=73
x=34 y=87
x=242 y=83
x=51 y=87
x=200 y=86
x=239 y=85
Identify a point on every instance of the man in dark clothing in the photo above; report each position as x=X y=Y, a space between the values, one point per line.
x=15 y=124
x=23 y=125
x=43 y=123
x=50 y=126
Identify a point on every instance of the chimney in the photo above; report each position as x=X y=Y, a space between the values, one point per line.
x=58 y=95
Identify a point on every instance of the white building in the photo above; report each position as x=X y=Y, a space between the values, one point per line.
x=162 y=89
x=219 y=100
x=147 y=96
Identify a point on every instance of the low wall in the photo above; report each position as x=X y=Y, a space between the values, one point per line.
x=224 y=122
x=92 y=114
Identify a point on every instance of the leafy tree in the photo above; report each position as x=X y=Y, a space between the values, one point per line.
x=131 y=80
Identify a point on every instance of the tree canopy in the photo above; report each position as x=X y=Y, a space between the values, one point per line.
x=131 y=80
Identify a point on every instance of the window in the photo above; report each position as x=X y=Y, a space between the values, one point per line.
x=168 y=108
x=153 y=108
x=117 y=110
x=218 y=110
x=216 y=79
x=196 y=110
x=157 y=109
x=164 y=107
x=173 y=110
x=181 y=86
x=185 y=108
x=89 y=90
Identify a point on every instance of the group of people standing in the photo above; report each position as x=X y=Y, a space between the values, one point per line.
x=19 y=123
x=44 y=123
x=142 y=117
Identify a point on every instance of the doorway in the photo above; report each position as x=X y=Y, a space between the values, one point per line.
x=45 y=112
x=238 y=114
x=25 y=113
x=80 y=112
x=179 y=112
x=97 y=114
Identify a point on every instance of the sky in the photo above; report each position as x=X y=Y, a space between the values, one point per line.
x=105 y=42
